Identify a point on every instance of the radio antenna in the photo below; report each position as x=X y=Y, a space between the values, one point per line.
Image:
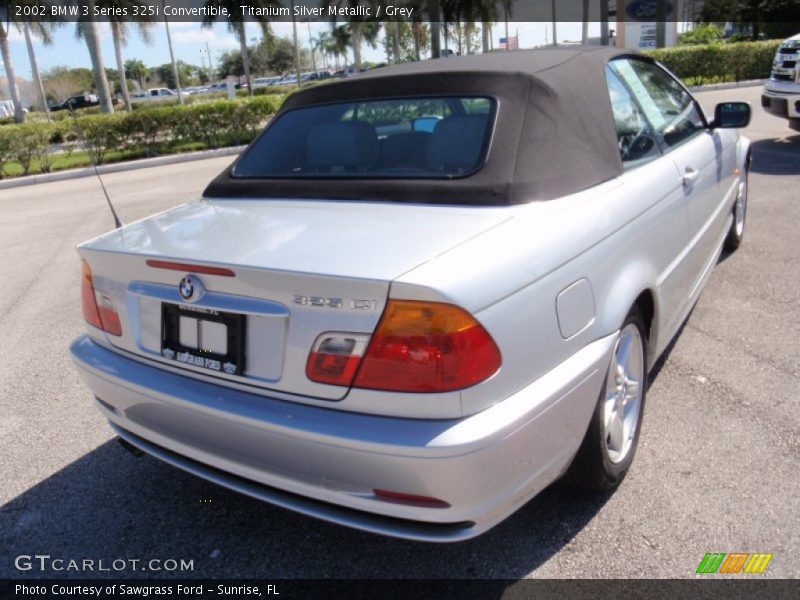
x=89 y=149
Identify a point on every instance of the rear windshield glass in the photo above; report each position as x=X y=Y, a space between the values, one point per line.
x=406 y=137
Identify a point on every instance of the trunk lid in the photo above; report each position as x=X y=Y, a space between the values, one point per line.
x=299 y=269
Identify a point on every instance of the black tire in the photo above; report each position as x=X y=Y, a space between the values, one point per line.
x=592 y=468
x=736 y=232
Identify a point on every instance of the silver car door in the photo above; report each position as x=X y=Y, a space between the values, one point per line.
x=696 y=152
x=654 y=179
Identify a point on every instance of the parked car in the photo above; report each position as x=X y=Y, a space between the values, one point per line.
x=7 y=108
x=316 y=75
x=77 y=101
x=350 y=72
x=195 y=90
x=287 y=80
x=422 y=295
x=266 y=81
x=781 y=96
x=160 y=93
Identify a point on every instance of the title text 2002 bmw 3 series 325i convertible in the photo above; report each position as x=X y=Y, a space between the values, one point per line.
x=424 y=294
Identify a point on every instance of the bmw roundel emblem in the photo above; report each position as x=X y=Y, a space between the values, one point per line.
x=188 y=287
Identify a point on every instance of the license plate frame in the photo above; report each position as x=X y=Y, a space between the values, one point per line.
x=231 y=363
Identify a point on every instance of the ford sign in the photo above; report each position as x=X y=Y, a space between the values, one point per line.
x=645 y=10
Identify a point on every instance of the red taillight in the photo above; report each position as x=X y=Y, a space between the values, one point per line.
x=427 y=347
x=104 y=316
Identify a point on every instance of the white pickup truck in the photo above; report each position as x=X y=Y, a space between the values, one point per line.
x=154 y=94
x=781 y=96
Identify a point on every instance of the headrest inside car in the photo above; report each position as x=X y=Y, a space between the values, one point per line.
x=457 y=143
x=348 y=145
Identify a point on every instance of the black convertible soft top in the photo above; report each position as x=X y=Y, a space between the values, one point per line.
x=554 y=132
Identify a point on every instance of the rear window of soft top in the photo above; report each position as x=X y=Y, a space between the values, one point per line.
x=429 y=137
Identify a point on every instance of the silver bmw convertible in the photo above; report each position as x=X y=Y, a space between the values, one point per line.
x=424 y=294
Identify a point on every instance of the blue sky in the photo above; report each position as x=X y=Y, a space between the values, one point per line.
x=189 y=41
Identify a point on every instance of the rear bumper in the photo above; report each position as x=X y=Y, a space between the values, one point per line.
x=326 y=462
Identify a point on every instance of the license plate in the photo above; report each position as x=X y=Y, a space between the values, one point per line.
x=203 y=338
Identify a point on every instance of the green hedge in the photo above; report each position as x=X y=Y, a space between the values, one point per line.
x=715 y=63
x=146 y=133
x=31 y=142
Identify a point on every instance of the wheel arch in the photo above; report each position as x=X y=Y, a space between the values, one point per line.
x=634 y=287
x=646 y=303
x=744 y=153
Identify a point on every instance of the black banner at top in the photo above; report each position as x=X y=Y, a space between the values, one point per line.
x=378 y=10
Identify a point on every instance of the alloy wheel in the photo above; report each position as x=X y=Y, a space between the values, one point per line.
x=623 y=399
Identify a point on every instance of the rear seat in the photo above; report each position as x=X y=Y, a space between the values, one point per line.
x=455 y=146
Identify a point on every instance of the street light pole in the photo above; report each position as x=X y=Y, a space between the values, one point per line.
x=505 y=8
x=210 y=64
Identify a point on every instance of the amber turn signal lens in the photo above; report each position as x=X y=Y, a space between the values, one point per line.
x=427 y=347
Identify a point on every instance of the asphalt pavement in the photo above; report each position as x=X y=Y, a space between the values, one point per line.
x=716 y=471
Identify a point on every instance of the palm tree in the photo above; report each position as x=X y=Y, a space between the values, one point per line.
x=486 y=12
x=419 y=33
x=585 y=25
x=296 y=46
x=435 y=15
x=363 y=32
x=236 y=25
x=175 y=72
x=419 y=30
x=86 y=29
x=507 y=4
x=604 y=39
x=38 y=29
x=469 y=12
x=43 y=31
x=120 y=30
x=336 y=42
x=340 y=40
x=11 y=78
x=453 y=11
x=360 y=31
x=320 y=44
